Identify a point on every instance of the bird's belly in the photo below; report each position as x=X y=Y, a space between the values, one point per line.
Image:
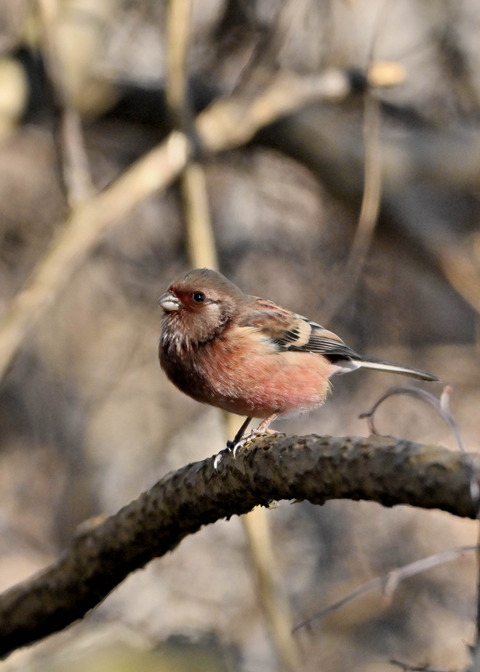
x=260 y=385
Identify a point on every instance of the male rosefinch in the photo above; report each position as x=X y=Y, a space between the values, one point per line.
x=247 y=355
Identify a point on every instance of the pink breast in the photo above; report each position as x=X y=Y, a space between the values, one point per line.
x=267 y=381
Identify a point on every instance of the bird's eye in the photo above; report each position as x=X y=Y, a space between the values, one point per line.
x=198 y=297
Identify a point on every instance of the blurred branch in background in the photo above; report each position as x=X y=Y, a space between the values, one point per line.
x=271 y=591
x=72 y=154
x=423 y=155
x=79 y=235
x=370 y=207
x=372 y=176
x=226 y=124
x=201 y=242
x=382 y=469
x=388 y=583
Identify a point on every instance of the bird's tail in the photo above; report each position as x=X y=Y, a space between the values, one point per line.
x=382 y=365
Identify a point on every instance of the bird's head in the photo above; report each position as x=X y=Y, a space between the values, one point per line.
x=198 y=307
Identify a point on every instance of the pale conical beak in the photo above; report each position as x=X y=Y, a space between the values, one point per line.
x=169 y=302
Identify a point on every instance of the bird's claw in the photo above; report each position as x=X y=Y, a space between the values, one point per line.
x=233 y=447
x=243 y=443
x=219 y=458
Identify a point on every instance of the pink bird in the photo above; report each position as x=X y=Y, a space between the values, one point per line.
x=249 y=356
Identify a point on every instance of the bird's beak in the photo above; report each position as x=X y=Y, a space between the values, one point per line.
x=169 y=302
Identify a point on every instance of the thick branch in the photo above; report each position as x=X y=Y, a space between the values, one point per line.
x=381 y=469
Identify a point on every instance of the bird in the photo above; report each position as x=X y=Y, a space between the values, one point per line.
x=249 y=356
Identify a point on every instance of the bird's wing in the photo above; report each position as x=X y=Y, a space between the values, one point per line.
x=289 y=331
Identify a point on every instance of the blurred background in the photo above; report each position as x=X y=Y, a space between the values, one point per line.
x=88 y=420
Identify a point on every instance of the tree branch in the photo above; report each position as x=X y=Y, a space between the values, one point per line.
x=381 y=469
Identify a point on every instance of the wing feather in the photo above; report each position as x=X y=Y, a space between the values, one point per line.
x=289 y=331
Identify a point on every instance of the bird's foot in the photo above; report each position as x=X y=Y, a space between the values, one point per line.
x=231 y=448
x=244 y=442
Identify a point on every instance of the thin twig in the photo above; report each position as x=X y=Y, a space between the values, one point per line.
x=202 y=250
x=442 y=406
x=178 y=41
x=200 y=238
x=369 y=209
x=372 y=183
x=269 y=587
x=69 y=135
x=372 y=190
x=389 y=581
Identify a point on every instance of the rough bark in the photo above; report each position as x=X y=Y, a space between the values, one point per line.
x=382 y=469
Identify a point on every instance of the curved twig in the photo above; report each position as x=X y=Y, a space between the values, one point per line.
x=389 y=581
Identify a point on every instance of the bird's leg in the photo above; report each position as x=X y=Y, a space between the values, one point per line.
x=263 y=428
x=239 y=435
x=240 y=440
x=232 y=445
